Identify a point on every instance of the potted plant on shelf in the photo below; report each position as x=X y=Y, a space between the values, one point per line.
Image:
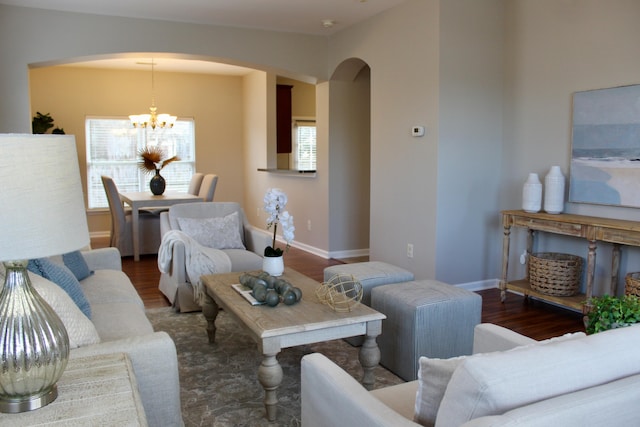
x=151 y=160
x=275 y=200
x=609 y=312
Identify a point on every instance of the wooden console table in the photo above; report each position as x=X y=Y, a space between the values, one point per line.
x=593 y=229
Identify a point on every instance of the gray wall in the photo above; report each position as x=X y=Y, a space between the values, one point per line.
x=553 y=49
x=470 y=140
x=491 y=80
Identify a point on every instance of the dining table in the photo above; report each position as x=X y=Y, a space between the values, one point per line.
x=143 y=200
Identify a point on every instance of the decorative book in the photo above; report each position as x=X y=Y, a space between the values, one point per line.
x=246 y=294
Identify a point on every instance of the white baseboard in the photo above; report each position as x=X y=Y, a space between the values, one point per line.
x=307 y=248
x=354 y=253
x=321 y=252
x=480 y=285
x=327 y=255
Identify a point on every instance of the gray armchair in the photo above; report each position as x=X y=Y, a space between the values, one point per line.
x=175 y=284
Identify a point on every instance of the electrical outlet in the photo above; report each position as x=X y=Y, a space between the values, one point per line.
x=409 y=250
x=308 y=225
x=258 y=212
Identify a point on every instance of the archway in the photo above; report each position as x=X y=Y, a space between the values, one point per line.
x=350 y=158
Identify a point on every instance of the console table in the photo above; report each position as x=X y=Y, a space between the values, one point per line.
x=93 y=391
x=593 y=229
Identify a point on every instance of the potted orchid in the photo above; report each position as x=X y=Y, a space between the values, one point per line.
x=275 y=200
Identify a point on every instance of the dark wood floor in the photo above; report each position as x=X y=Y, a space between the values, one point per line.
x=533 y=318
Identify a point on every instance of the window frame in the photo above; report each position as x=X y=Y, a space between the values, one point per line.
x=297 y=122
x=128 y=141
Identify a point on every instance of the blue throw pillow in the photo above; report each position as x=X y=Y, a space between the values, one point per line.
x=77 y=264
x=63 y=277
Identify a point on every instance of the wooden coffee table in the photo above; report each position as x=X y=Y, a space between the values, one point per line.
x=306 y=322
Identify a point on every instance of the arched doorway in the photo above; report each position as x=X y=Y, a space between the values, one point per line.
x=350 y=158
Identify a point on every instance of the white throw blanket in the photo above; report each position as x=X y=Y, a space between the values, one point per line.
x=199 y=260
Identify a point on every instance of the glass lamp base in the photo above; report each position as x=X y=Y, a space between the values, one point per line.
x=34 y=345
x=28 y=403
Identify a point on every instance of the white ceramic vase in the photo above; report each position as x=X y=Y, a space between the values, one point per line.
x=554 y=191
x=274 y=265
x=532 y=194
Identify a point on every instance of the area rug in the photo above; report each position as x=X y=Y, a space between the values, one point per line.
x=219 y=384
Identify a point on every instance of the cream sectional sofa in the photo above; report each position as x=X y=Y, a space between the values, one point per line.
x=118 y=324
x=511 y=380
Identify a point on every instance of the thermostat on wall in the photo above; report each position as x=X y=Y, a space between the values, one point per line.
x=417 y=131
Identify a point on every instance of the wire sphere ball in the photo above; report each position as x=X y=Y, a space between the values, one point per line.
x=342 y=292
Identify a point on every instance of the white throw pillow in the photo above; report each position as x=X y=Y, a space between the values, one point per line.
x=217 y=233
x=434 y=376
x=79 y=328
x=499 y=382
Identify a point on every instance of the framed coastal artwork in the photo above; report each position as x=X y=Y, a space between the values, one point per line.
x=605 y=149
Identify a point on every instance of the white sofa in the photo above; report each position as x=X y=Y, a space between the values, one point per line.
x=575 y=380
x=176 y=284
x=118 y=318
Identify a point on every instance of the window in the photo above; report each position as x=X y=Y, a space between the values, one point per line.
x=304 y=144
x=112 y=150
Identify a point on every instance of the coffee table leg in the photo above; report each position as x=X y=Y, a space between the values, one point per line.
x=369 y=359
x=270 y=376
x=210 y=312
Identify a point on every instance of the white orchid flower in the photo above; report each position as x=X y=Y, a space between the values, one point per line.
x=275 y=201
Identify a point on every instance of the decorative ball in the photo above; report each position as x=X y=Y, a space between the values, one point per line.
x=271 y=290
x=342 y=292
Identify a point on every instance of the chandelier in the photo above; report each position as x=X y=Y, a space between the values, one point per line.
x=153 y=119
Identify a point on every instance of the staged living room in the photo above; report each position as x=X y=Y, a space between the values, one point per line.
x=399 y=212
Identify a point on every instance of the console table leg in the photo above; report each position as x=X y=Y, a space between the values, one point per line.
x=505 y=259
x=615 y=270
x=369 y=358
x=210 y=312
x=270 y=376
x=591 y=269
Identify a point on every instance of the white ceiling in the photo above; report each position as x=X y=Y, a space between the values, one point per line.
x=297 y=16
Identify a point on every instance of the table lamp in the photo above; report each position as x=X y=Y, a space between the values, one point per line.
x=41 y=214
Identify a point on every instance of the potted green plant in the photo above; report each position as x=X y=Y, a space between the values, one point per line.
x=41 y=123
x=609 y=312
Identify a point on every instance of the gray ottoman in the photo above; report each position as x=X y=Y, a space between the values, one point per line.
x=424 y=318
x=370 y=274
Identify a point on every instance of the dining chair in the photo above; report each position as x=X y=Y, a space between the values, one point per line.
x=208 y=187
x=122 y=228
x=194 y=184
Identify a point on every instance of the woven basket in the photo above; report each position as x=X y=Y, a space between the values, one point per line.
x=555 y=274
x=632 y=284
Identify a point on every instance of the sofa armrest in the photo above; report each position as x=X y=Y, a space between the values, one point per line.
x=488 y=337
x=332 y=397
x=256 y=240
x=103 y=259
x=155 y=365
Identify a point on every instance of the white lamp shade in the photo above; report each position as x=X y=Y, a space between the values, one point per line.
x=42 y=209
